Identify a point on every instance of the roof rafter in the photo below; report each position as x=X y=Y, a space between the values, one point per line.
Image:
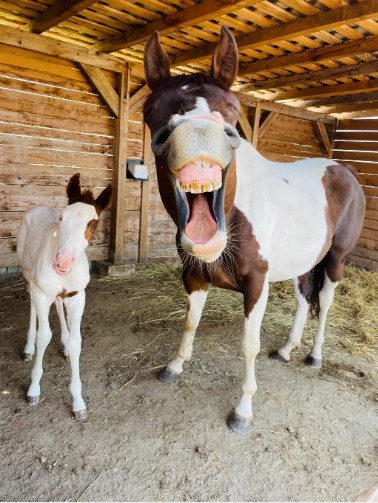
x=193 y=15
x=305 y=26
x=58 y=12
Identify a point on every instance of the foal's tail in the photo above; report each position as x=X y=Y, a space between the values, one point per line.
x=317 y=283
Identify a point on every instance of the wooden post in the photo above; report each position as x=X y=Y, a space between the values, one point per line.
x=120 y=159
x=256 y=125
x=143 y=234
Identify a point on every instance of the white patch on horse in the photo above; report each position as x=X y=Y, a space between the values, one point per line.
x=287 y=223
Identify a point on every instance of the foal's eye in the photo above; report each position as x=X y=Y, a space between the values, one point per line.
x=60 y=218
x=93 y=228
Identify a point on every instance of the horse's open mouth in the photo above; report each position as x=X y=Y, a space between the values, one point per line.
x=199 y=184
x=200 y=193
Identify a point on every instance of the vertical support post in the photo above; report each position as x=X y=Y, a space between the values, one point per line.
x=143 y=234
x=256 y=126
x=120 y=159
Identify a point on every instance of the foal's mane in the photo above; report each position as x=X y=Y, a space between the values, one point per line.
x=85 y=197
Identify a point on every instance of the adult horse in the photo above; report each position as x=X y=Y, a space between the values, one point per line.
x=243 y=221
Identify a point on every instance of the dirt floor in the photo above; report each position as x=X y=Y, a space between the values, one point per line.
x=314 y=436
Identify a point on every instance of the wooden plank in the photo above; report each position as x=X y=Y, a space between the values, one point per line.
x=361 y=146
x=120 y=159
x=357 y=156
x=256 y=125
x=358 y=125
x=332 y=90
x=245 y=125
x=100 y=82
x=321 y=134
x=322 y=21
x=356 y=135
x=65 y=50
x=338 y=50
x=143 y=230
x=360 y=167
x=57 y=13
x=171 y=23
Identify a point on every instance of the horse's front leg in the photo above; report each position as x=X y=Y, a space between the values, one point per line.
x=197 y=295
x=75 y=308
x=41 y=305
x=255 y=299
x=29 y=349
x=64 y=332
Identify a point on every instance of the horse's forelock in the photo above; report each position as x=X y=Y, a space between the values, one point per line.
x=86 y=197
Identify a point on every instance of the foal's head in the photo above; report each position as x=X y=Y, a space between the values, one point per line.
x=77 y=223
x=192 y=120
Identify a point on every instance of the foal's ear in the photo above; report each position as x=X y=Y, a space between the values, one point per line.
x=104 y=199
x=156 y=62
x=73 y=188
x=224 y=66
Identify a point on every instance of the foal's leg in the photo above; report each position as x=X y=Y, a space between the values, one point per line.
x=241 y=418
x=64 y=332
x=29 y=349
x=75 y=308
x=42 y=307
x=302 y=287
x=196 y=302
x=326 y=296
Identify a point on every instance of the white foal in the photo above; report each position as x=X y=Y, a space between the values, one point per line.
x=51 y=247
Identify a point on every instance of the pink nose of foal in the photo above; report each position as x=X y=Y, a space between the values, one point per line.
x=63 y=263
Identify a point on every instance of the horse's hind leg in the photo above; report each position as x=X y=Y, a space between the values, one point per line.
x=326 y=295
x=64 y=332
x=302 y=286
x=196 y=302
x=29 y=349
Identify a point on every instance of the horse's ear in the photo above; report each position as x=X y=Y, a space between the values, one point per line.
x=103 y=200
x=156 y=62
x=73 y=188
x=224 y=66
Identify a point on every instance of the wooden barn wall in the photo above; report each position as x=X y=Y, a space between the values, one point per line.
x=52 y=125
x=356 y=142
x=287 y=139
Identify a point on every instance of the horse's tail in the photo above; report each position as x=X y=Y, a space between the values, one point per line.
x=317 y=283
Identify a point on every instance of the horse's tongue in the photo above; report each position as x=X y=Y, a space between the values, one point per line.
x=201 y=226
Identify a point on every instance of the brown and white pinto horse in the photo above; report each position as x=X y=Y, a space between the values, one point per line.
x=244 y=221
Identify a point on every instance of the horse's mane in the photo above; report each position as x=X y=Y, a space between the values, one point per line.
x=86 y=197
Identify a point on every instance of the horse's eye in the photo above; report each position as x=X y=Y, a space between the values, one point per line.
x=60 y=218
x=93 y=228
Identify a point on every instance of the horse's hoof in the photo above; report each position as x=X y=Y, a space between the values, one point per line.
x=80 y=415
x=238 y=424
x=315 y=363
x=166 y=376
x=67 y=358
x=32 y=400
x=275 y=355
x=27 y=357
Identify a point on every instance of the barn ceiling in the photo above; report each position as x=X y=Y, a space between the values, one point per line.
x=321 y=55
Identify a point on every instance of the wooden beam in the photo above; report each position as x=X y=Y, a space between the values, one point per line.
x=256 y=125
x=245 y=125
x=322 y=21
x=143 y=230
x=102 y=85
x=120 y=159
x=358 y=107
x=344 y=49
x=281 y=108
x=267 y=123
x=137 y=100
x=349 y=88
x=57 y=13
x=342 y=100
x=45 y=45
x=307 y=77
x=194 y=15
x=323 y=139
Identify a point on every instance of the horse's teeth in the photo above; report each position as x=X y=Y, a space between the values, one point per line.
x=217 y=184
x=207 y=186
x=185 y=187
x=195 y=187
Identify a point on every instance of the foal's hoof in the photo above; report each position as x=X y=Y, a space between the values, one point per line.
x=32 y=400
x=166 y=376
x=27 y=357
x=275 y=355
x=80 y=415
x=238 y=424
x=315 y=363
x=67 y=358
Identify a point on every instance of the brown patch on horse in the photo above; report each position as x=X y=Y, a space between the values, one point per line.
x=91 y=229
x=344 y=225
x=64 y=294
